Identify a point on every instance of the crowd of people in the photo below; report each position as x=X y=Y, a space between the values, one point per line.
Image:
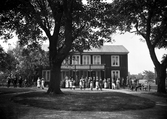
x=18 y=81
x=83 y=83
x=135 y=85
x=92 y=83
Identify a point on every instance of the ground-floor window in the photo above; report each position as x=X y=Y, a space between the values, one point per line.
x=115 y=74
x=46 y=75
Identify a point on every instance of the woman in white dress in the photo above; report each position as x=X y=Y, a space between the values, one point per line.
x=105 y=83
x=97 y=84
x=67 y=82
x=38 y=83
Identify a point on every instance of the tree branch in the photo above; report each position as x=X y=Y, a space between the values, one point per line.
x=148 y=41
x=164 y=63
x=138 y=31
x=160 y=35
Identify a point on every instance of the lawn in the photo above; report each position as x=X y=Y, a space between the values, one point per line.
x=84 y=101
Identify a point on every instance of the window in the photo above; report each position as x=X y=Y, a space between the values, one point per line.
x=66 y=61
x=114 y=60
x=76 y=59
x=86 y=59
x=115 y=74
x=46 y=75
x=96 y=59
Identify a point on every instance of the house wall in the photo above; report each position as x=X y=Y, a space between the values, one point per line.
x=106 y=73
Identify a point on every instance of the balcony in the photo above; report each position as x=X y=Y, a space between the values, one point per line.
x=82 y=67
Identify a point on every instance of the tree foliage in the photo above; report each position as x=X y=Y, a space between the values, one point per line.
x=31 y=60
x=7 y=61
x=149 y=75
x=33 y=20
x=147 y=18
x=3 y=62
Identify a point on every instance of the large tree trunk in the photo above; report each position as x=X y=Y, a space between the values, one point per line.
x=58 y=53
x=161 y=76
x=54 y=84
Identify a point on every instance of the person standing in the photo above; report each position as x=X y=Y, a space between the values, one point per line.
x=97 y=83
x=14 y=81
x=105 y=83
x=84 y=83
x=113 y=84
x=89 y=79
x=8 y=81
x=101 y=84
x=20 y=81
x=91 y=85
x=66 y=82
x=81 y=83
x=38 y=83
x=73 y=84
x=118 y=83
x=70 y=81
x=94 y=82
x=108 y=83
x=42 y=83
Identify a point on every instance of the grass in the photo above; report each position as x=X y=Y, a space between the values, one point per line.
x=4 y=90
x=164 y=95
x=84 y=101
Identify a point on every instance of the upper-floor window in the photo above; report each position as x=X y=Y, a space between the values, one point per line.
x=114 y=60
x=86 y=59
x=76 y=59
x=66 y=61
x=96 y=59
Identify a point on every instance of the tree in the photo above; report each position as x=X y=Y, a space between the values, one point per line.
x=139 y=76
x=149 y=75
x=147 y=18
x=31 y=60
x=3 y=62
x=7 y=61
x=69 y=25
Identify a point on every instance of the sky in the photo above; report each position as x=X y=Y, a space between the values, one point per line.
x=138 y=58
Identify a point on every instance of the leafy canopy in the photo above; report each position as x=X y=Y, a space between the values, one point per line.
x=36 y=20
x=145 y=17
x=7 y=61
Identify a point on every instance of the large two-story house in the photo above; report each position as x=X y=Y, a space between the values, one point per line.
x=107 y=62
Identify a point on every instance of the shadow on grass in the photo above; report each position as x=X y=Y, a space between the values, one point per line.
x=78 y=101
x=164 y=95
x=10 y=110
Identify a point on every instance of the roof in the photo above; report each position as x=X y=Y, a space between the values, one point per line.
x=105 y=49
x=109 y=49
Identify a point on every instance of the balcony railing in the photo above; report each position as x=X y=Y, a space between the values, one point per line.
x=79 y=67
